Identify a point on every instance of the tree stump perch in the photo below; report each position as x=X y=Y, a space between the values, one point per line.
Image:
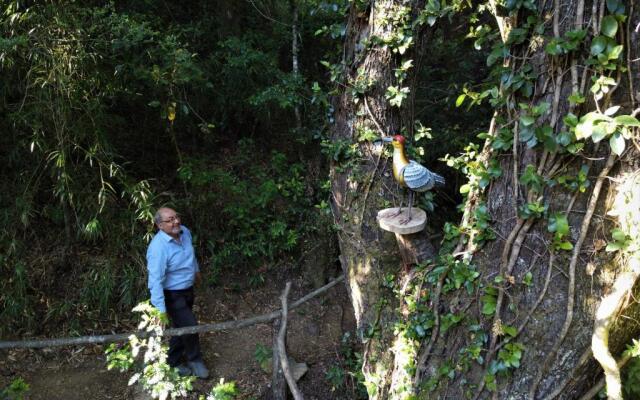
x=413 y=248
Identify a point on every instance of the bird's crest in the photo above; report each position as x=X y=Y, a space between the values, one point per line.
x=399 y=138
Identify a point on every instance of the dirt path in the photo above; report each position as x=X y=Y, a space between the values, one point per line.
x=314 y=334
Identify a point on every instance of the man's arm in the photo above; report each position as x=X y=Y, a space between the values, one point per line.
x=156 y=265
x=196 y=265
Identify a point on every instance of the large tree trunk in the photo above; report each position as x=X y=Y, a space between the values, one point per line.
x=523 y=328
x=361 y=182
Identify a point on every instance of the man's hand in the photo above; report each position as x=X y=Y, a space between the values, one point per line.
x=164 y=320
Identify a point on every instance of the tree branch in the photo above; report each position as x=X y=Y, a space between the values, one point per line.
x=284 y=361
x=221 y=326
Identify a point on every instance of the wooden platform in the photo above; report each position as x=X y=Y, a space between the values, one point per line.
x=391 y=223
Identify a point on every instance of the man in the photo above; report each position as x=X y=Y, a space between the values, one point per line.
x=173 y=269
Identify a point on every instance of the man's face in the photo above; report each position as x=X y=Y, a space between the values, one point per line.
x=170 y=223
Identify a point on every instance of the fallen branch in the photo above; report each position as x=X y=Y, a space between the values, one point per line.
x=122 y=337
x=278 y=385
x=284 y=361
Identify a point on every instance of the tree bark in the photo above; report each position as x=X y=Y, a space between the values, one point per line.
x=554 y=316
x=545 y=297
x=360 y=188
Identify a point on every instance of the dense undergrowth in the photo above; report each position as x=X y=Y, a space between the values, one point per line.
x=111 y=110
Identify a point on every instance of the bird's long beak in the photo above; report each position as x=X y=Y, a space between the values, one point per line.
x=386 y=139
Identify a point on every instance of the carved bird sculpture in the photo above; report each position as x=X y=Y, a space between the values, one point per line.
x=409 y=173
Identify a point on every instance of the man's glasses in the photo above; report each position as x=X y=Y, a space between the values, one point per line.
x=171 y=220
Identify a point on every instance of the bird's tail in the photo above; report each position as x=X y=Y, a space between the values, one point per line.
x=438 y=180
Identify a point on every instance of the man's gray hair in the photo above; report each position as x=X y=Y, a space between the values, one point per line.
x=157 y=217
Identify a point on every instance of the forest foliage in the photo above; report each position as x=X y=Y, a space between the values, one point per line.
x=111 y=109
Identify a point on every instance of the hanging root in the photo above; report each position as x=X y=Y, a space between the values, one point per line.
x=424 y=355
x=605 y=317
x=572 y=274
x=593 y=392
x=624 y=207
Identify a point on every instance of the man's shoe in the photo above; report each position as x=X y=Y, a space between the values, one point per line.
x=198 y=369
x=183 y=370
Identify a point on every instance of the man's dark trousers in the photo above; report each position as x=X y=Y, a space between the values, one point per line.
x=179 y=305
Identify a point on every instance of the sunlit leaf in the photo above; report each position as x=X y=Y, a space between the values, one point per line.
x=598 y=45
x=609 y=26
x=617 y=143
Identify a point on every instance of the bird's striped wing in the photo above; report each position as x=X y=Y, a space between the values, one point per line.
x=420 y=179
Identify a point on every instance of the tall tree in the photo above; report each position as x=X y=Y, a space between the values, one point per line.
x=546 y=248
x=375 y=66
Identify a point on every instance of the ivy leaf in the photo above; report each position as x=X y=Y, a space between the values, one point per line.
x=528 y=278
x=598 y=133
x=489 y=308
x=570 y=120
x=618 y=235
x=611 y=110
x=626 y=120
x=615 y=246
x=617 y=143
x=527 y=120
x=565 y=245
x=509 y=330
x=526 y=133
x=609 y=26
x=558 y=223
x=598 y=45
x=576 y=98
x=615 y=52
x=612 y=5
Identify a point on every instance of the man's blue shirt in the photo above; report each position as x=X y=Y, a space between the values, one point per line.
x=171 y=264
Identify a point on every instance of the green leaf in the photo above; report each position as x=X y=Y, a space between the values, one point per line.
x=609 y=26
x=510 y=330
x=576 y=98
x=565 y=245
x=460 y=100
x=616 y=141
x=615 y=7
x=489 y=308
x=528 y=278
x=615 y=246
x=558 y=223
x=598 y=133
x=626 y=120
x=526 y=133
x=598 y=45
x=618 y=235
x=527 y=120
x=612 y=5
x=611 y=110
x=615 y=52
